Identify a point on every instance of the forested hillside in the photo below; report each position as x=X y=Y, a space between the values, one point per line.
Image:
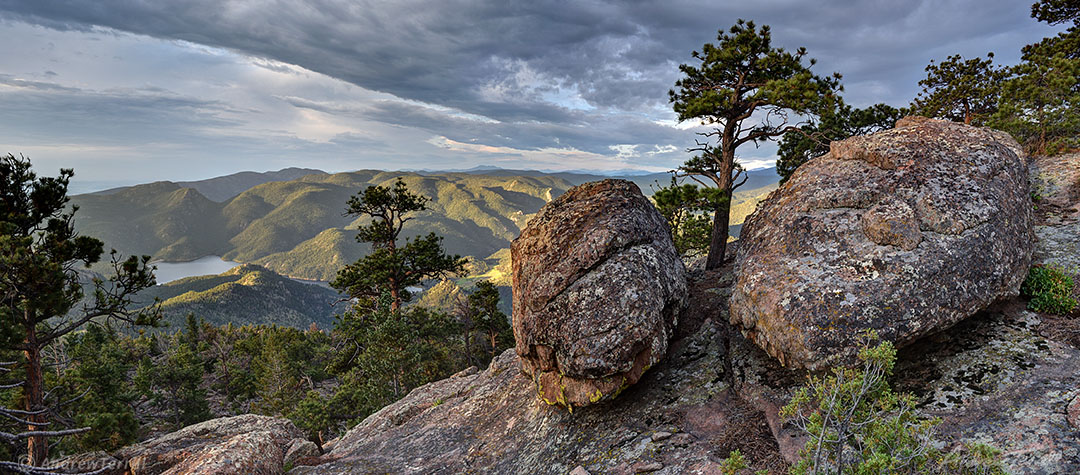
x=296 y=228
x=248 y=294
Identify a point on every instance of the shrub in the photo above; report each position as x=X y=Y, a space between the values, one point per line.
x=858 y=425
x=1049 y=290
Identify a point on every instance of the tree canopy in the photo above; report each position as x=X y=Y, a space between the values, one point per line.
x=40 y=287
x=1040 y=99
x=961 y=90
x=747 y=90
x=686 y=207
x=385 y=350
x=1056 y=11
x=838 y=123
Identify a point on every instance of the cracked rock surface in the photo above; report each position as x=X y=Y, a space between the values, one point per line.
x=598 y=288
x=905 y=231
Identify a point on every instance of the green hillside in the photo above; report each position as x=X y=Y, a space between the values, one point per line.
x=296 y=228
x=248 y=294
x=161 y=219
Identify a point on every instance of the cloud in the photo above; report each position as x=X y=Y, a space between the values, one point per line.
x=370 y=82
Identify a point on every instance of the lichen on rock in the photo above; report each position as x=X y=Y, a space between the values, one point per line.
x=598 y=288
x=905 y=231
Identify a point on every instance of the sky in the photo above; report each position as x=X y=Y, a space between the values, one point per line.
x=132 y=91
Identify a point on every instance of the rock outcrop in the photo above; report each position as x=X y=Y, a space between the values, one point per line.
x=250 y=444
x=681 y=418
x=905 y=231
x=598 y=287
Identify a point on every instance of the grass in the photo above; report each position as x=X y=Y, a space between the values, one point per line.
x=1049 y=290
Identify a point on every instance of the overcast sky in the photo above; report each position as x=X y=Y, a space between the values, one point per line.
x=129 y=91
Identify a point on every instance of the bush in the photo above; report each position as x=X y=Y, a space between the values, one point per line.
x=1049 y=289
x=858 y=425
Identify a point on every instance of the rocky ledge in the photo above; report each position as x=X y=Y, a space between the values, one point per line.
x=249 y=444
x=1005 y=376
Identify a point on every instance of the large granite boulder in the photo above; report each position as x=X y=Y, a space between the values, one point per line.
x=904 y=231
x=249 y=444
x=598 y=287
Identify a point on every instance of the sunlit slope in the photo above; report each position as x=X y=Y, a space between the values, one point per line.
x=247 y=294
x=297 y=228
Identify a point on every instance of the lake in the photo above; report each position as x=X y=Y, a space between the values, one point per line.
x=209 y=265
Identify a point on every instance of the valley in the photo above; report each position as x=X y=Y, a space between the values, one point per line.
x=290 y=223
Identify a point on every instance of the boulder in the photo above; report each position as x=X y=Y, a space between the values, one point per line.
x=904 y=231
x=682 y=414
x=243 y=444
x=598 y=287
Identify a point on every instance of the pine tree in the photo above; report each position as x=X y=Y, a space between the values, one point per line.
x=96 y=382
x=746 y=89
x=385 y=349
x=41 y=290
x=687 y=207
x=489 y=320
x=960 y=90
x=393 y=267
x=1040 y=101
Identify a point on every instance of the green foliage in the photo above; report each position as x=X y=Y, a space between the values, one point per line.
x=1040 y=100
x=385 y=353
x=960 y=90
x=858 y=425
x=40 y=288
x=481 y=314
x=392 y=268
x=743 y=78
x=688 y=210
x=1040 y=103
x=386 y=350
x=312 y=416
x=284 y=367
x=1056 y=11
x=974 y=459
x=837 y=123
x=175 y=385
x=733 y=463
x=1049 y=289
x=96 y=384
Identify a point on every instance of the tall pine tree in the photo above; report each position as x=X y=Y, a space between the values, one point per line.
x=747 y=90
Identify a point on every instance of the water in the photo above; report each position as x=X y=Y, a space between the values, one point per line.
x=209 y=265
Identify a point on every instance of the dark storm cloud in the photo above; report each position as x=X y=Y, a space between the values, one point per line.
x=617 y=54
x=533 y=74
x=597 y=138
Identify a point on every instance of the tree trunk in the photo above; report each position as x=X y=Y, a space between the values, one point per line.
x=37 y=448
x=718 y=241
x=395 y=296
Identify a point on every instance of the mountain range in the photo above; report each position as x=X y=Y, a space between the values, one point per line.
x=246 y=294
x=296 y=226
x=290 y=223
